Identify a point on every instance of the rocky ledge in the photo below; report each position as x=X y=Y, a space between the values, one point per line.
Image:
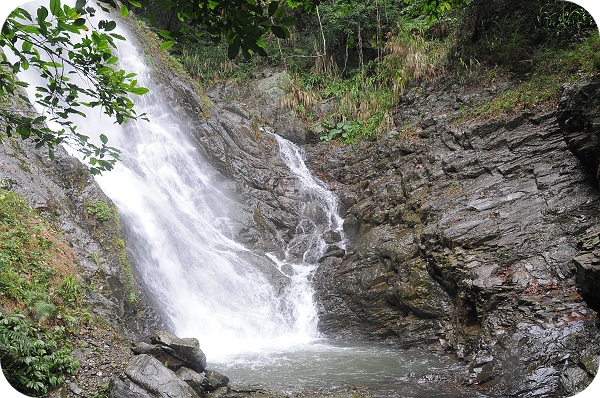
x=473 y=236
x=478 y=237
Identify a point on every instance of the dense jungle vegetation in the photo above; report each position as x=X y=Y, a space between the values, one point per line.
x=362 y=56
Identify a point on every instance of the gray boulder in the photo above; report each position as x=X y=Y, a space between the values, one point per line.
x=194 y=379
x=151 y=378
x=177 y=352
x=215 y=381
x=165 y=355
x=121 y=389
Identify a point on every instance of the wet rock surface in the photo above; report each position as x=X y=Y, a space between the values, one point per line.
x=478 y=237
x=150 y=377
x=579 y=119
x=587 y=265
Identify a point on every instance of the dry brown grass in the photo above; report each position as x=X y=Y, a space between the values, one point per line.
x=411 y=57
x=298 y=99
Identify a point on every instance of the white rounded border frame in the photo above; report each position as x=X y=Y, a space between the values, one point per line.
x=592 y=6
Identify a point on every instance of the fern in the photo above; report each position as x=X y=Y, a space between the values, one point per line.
x=43 y=310
x=31 y=356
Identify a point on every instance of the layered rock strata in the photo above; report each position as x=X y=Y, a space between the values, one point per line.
x=464 y=235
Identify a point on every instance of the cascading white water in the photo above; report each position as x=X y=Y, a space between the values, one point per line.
x=318 y=215
x=209 y=284
x=176 y=213
x=319 y=206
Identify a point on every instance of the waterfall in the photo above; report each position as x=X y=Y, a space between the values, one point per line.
x=320 y=222
x=177 y=214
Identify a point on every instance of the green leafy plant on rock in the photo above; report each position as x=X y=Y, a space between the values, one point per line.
x=127 y=271
x=39 y=299
x=101 y=210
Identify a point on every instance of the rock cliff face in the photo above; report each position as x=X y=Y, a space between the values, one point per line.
x=464 y=237
x=62 y=191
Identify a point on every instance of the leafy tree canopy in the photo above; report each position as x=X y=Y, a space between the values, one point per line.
x=61 y=45
x=242 y=23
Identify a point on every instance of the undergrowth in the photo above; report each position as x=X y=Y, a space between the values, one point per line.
x=34 y=358
x=351 y=64
x=101 y=210
x=551 y=70
x=40 y=299
x=364 y=100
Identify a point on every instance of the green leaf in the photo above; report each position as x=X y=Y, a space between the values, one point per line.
x=26 y=14
x=79 y=22
x=234 y=48
x=255 y=47
x=42 y=13
x=280 y=31
x=139 y=90
x=55 y=8
x=117 y=36
x=166 y=45
x=135 y=3
x=103 y=138
x=124 y=11
x=280 y=13
x=29 y=29
x=165 y=33
x=26 y=46
x=288 y=21
x=68 y=27
x=273 y=6
x=110 y=25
